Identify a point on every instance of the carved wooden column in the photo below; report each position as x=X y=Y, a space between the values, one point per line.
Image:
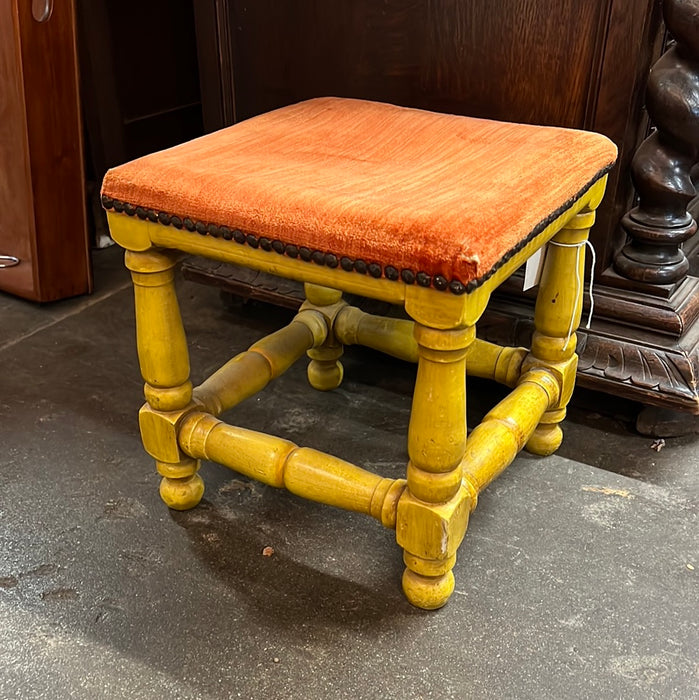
x=661 y=167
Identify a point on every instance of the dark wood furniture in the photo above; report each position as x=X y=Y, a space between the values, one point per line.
x=513 y=60
x=135 y=101
x=43 y=240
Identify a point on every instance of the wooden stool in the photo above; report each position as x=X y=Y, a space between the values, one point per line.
x=429 y=211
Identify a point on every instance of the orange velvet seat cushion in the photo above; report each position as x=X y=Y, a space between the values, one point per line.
x=369 y=187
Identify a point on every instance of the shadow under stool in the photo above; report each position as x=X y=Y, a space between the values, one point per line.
x=425 y=210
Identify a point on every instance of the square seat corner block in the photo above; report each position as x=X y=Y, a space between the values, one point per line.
x=373 y=189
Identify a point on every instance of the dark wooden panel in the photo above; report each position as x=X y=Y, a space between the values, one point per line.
x=140 y=84
x=521 y=60
x=154 y=55
x=153 y=132
x=98 y=82
x=140 y=78
x=215 y=58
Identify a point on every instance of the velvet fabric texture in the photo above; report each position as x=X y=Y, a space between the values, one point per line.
x=404 y=188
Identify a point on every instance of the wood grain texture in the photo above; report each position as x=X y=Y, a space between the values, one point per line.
x=16 y=202
x=446 y=55
x=55 y=138
x=43 y=212
x=215 y=58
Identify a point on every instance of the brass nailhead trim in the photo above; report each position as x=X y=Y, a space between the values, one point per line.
x=423 y=279
x=408 y=276
x=319 y=257
x=440 y=282
x=306 y=254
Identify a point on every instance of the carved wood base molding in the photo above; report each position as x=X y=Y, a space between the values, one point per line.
x=653 y=368
x=671 y=316
x=659 y=372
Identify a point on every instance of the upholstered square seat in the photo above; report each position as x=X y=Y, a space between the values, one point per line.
x=425 y=210
x=370 y=187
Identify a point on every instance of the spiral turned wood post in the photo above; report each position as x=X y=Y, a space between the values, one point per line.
x=660 y=169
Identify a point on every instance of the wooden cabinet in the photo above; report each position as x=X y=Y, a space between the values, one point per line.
x=43 y=240
x=139 y=79
x=563 y=62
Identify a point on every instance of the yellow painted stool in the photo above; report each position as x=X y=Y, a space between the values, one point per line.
x=429 y=211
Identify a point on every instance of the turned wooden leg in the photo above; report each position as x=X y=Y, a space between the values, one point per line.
x=556 y=318
x=325 y=370
x=433 y=511
x=164 y=361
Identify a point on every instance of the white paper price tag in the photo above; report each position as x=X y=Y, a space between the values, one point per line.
x=533 y=269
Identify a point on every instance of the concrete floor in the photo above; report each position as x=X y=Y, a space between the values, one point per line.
x=577 y=578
